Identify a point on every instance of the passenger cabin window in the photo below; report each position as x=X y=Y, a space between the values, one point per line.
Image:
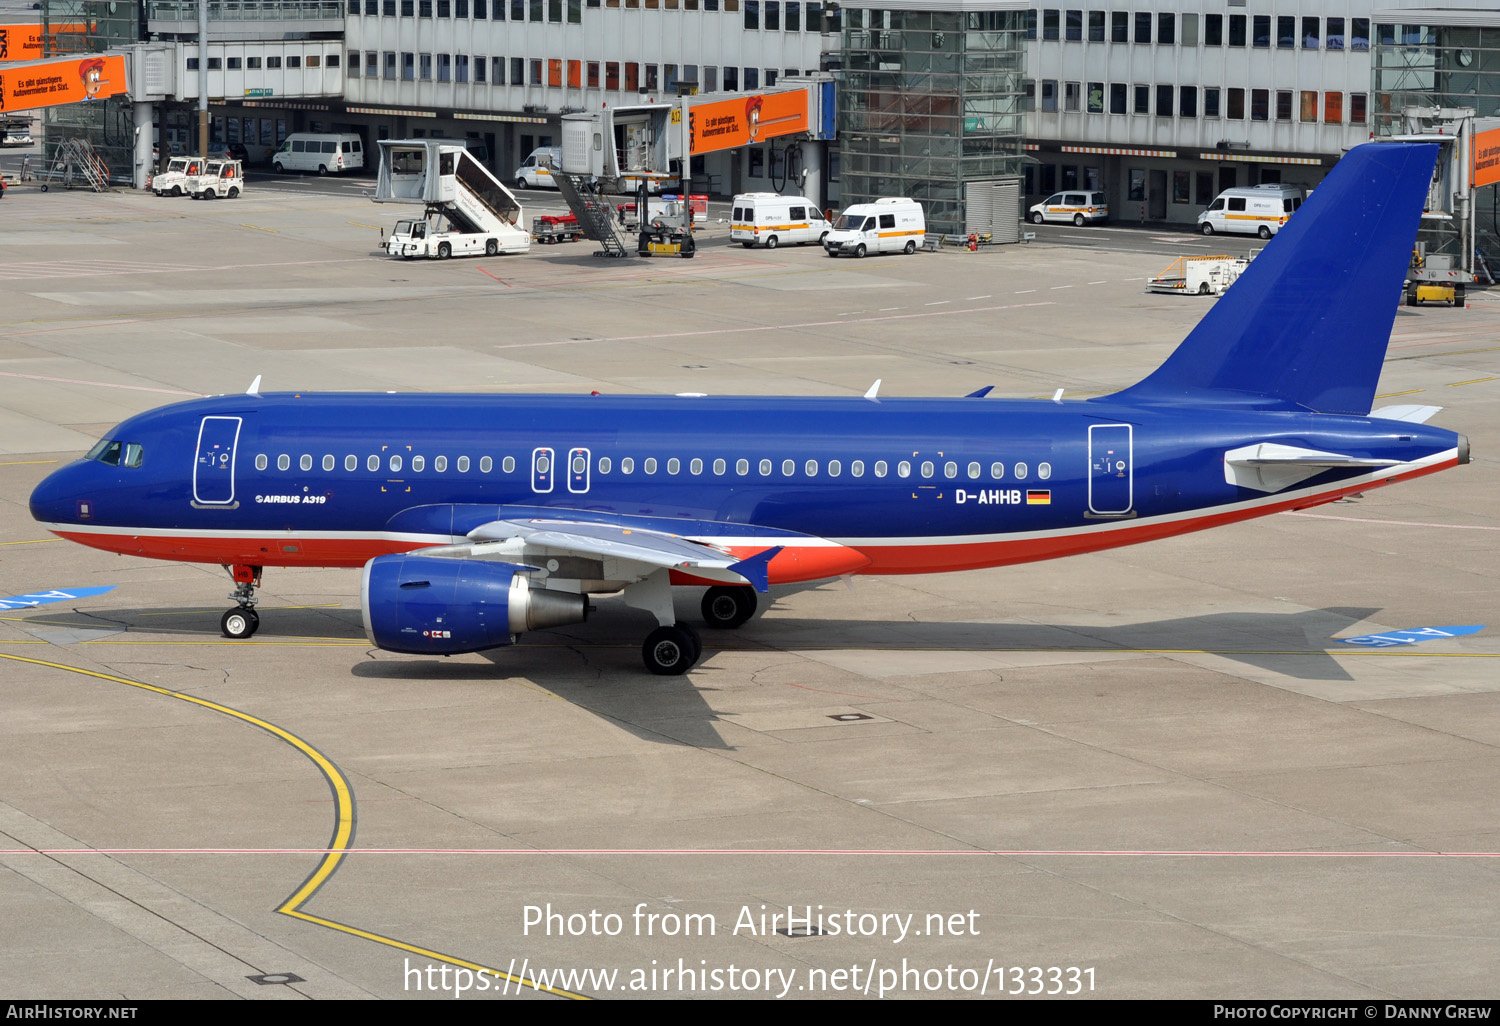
x=880 y=468
x=950 y=470
x=765 y=468
x=328 y=462
x=974 y=470
x=650 y=466
x=834 y=468
x=261 y=462
x=486 y=464
x=719 y=467
x=673 y=465
x=810 y=468
x=788 y=468
x=742 y=467
x=604 y=464
x=395 y=464
x=903 y=469
x=440 y=463
x=417 y=463
x=857 y=468
x=627 y=465
x=463 y=464
x=351 y=462
x=1020 y=471
x=283 y=461
x=1044 y=470
x=373 y=463
x=509 y=464
x=997 y=470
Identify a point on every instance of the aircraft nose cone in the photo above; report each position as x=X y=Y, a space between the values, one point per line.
x=56 y=499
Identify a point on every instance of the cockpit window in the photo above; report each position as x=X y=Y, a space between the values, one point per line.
x=114 y=453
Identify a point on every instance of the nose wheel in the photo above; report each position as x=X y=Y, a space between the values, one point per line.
x=241 y=621
x=671 y=650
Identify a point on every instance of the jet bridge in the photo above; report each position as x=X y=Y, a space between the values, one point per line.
x=656 y=142
x=446 y=179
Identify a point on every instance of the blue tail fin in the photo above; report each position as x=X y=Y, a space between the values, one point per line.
x=1306 y=325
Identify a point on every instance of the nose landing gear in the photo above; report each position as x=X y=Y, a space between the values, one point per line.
x=242 y=621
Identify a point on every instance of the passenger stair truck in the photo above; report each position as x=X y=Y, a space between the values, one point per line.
x=466 y=210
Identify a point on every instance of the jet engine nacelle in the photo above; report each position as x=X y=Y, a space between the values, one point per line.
x=427 y=604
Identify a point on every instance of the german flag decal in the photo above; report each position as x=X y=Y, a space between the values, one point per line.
x=1038 y=497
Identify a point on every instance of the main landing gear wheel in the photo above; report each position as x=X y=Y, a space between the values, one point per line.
x=671 y=651
x=239 y=623
x=725 y=608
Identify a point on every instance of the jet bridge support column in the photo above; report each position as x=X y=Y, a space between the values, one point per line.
x=145 y=119
x=814 y=162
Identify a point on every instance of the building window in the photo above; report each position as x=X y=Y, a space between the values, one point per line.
x=1096 y=26
x=1096 y=97
x=1049 y=94
x=427 y=67
x=1050 y=24
x=1286 y=32
x=752 y=77
x=1260 y=105
x=424 y=8
x=272 y=63
x=388 y=8
x=1210 y=102
x=408 y=67
x=462 y=67
x=1261 y=37
x=1236 y=30
x=1283 y=105
x=1236 y=105
x=1310 y=33
x=1187 y=102
x=1333 y=108
x=1119 y=27
x=1213 y=30
x=1143 y=99
x=1117 y=98
x=1071 y=91
x=445 y=67
x=445 y=8
x=460 y=8
x=1335 y=33
x=1074 y=27
x=1356 y=108
x=752 y=14
x=1029 y=19
x=1166 y=28
x=390 y=64
x=1309 y=105
x=1359 y=34
x=372 y=64
x=773 y=15
x=1143 y=27
x=1164 y=101
x=732 y=79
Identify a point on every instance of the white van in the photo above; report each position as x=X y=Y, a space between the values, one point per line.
x=535 y=171
x=323 y=152
x=889 y=225
x=769 y=220
x=1260 y=210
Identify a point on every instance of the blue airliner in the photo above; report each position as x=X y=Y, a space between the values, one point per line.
x=478 y=517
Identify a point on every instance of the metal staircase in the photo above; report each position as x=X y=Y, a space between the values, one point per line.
x=76 y=159
x=593 y=212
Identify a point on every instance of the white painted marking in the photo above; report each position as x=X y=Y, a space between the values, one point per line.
x=938 y=302
x=1056 y=287
x=970 y=299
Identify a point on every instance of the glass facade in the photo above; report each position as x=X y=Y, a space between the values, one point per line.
x=92 y=26
x=1440 y=66
x=929 y=101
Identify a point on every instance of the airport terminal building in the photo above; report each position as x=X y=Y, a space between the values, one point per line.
x=1158 y=104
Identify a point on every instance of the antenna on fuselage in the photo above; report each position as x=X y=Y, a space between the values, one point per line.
x=874 y=389
x=254 y=388
x=1057 y=396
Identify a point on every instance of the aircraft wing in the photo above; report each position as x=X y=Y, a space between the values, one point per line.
x=622 y=553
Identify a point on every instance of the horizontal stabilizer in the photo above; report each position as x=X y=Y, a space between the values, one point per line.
x=1413 y=414
x=1271 y=466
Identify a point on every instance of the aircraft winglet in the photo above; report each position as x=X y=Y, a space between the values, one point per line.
x=980 y=393
x=254 y=388
x=874 y=389
x=754 y=569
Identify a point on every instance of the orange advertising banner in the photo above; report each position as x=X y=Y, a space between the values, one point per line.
x=725 y=124
x=24 y=42
x=1486 y=149
x=65 y=80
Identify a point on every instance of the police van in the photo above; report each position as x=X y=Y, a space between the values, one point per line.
x=1257 y=210
x=893 y=224
x=766 y=219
